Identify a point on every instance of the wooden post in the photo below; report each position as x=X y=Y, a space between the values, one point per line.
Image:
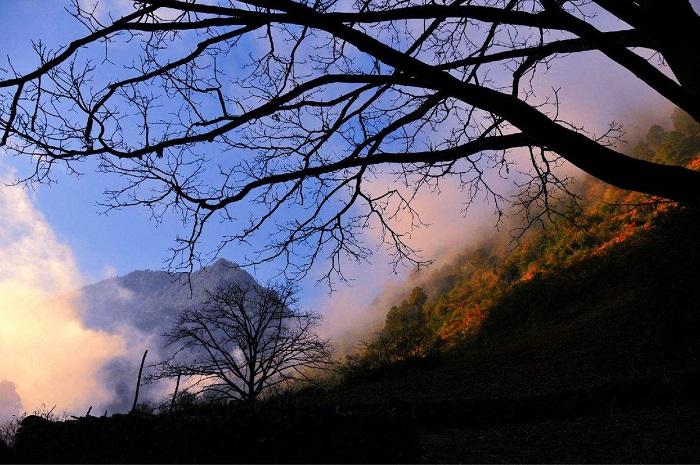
x=177 y=386
x=138 y=382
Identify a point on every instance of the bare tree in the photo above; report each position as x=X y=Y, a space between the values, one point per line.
x=245 y=340
x=281 y=115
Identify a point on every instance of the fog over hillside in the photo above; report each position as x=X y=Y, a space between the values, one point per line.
x=140 y=307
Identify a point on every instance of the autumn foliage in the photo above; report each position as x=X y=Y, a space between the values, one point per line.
x=457 y=298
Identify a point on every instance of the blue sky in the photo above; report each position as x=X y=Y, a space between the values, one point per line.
x=121 y=240
x=124 y=240
x=129 y=239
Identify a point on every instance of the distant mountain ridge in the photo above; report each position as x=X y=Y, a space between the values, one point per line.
x=148 y=299
x=140 y=306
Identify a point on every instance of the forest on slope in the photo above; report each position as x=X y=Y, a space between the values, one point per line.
x=600 y=242
x=579 y=344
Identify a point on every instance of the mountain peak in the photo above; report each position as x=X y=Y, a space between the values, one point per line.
x=143 y=298
x=143 y=305
x=222 y=263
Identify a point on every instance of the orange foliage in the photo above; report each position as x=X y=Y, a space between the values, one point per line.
x=531 y=271
x=478 y=279
x=464 y=321
x=695 y=164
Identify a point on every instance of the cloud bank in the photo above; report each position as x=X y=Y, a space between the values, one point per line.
x=45 y=349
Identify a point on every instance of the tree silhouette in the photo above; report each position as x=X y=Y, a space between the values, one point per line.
x=245 y=340
x=280 y=115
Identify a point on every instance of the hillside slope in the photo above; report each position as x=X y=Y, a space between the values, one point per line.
x=630 y=313
x=581 y=344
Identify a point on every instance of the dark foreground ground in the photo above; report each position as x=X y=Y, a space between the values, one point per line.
x=653 y=422
x=649 y=435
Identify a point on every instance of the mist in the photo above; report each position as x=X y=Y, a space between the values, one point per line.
x=352 y=313
x=596 y=95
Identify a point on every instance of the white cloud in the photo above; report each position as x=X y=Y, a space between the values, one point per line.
x=48 y=353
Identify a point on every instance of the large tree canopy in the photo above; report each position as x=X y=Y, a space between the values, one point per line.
x=278 y=115
x=243 y=342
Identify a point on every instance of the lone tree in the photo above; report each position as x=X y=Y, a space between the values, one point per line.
x=245 y=340
x=280 y=115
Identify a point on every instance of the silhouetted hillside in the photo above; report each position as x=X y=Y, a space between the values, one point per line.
x=230 y=436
